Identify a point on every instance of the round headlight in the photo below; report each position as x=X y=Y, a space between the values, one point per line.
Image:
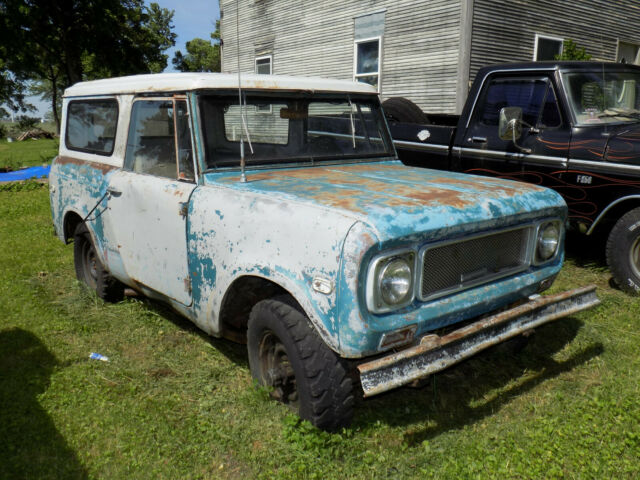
x=548 y=240
x=396 y=280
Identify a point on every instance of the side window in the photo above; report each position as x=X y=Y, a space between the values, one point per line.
x=535 y=96
x=159 y=141
x=91 y=126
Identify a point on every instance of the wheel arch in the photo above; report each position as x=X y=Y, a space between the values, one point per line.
x=613 y=212
x=241 y=296
x=71 y=221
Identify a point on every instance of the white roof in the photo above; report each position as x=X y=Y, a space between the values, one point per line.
x=180 y=82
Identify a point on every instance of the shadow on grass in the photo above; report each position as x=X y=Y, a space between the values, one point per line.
x=30 y=445
x=466 y=393
x=586 y=251
x=235 y=352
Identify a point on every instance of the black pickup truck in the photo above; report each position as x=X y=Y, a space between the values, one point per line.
x=570 y=126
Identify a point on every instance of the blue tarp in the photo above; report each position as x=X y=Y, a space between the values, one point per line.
x=33 y=172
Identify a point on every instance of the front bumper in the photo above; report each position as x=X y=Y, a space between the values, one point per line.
x=435 y=353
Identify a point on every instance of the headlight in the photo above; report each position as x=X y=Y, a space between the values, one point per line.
x=548 y=241
x=396 y=280
x=390 y=282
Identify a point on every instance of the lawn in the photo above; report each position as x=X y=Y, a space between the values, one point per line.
x=28 y=153
x=173 y=403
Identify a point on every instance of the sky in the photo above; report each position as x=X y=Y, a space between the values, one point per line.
x=191 y=19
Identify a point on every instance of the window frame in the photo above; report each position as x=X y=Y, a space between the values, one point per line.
x=68 y=145
x=357 y=75
x=546 y=37
x=264 y=57
x=128 y=166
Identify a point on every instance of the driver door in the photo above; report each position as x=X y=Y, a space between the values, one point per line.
x=149 y=198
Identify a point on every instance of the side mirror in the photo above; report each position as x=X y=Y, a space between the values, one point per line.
x=510 y=126
x=510 y=123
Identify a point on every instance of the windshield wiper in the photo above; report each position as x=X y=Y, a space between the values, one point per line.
x=611 y=113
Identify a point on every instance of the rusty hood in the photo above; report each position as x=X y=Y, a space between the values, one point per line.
x=398 y=200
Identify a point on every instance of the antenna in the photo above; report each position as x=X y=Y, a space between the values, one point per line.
x=243 y=176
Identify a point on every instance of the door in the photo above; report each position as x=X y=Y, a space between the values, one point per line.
x=540 y=155
x=149 y=197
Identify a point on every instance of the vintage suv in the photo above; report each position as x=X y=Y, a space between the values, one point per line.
x=334 y=262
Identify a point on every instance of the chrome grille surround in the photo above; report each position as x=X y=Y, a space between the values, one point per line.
x=451 y=266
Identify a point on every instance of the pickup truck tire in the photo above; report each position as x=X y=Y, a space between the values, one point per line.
x=400 y=109
x=90 y=270
x=623 y=251
x=288 y=356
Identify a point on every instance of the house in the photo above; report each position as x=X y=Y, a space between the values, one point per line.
x=425 y=50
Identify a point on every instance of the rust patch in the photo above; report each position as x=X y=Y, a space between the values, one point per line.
x=103 y=167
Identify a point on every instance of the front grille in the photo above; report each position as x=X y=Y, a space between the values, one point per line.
x=454 y=266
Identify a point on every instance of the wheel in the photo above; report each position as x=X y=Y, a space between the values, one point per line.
x=623 y=251
x=89 y=269
x=400 y=109
x=288 y=356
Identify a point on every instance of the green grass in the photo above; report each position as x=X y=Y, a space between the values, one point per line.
x=173 y=403
x=28 y=153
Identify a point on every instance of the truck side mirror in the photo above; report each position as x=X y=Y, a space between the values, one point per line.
x=510 y=126
x=510 y=123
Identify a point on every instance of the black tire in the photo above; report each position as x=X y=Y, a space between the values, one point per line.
x=287 y=355
x=623 y=251
x=400 y=109
x=89 y=269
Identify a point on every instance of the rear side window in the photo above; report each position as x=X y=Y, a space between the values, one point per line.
x=91 y=125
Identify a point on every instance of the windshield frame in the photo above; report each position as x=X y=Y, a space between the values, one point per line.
x=388 y=150
x=610 y=116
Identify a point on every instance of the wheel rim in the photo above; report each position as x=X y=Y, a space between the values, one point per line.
x=276 y=370
x=90 y=263
x=634 y=257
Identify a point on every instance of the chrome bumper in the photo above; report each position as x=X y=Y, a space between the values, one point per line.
x=435 y=353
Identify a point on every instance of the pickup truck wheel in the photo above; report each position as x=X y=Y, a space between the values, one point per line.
x=288 y=356
x=623 y=251
x=400 y=109
x=89 y=269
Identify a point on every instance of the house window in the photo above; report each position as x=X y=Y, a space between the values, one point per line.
x=263 y=65
x=546 y=48
x=628 y=53
x=367 y=61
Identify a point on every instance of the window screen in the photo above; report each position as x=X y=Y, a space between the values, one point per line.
x=91 y=126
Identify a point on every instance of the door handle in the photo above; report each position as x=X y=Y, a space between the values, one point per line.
x=479 y=139
x=113 y=191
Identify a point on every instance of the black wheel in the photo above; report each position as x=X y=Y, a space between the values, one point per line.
x=623 y=251
x=89 y=269
x=287 y=355
x=400 y=109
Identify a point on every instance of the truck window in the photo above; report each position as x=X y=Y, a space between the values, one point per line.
x=91 y=125
x=535 y=96
x=159 y=142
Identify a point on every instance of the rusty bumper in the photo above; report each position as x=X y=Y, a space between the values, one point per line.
x=435 y=353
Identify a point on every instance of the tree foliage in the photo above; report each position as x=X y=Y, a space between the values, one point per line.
x=67 y=41
x=571 y=51
x=202 y=55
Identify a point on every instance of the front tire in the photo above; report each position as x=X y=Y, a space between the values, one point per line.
x=288 y=356
x=623 y=251
x=89 y=268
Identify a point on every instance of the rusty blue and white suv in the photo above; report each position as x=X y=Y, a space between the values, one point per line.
x=278 y=215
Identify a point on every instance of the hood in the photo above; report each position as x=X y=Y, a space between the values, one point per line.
x=624 y=145
x=399 y=201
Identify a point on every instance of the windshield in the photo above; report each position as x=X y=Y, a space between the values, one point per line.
x=292 y=128
x=603 y=97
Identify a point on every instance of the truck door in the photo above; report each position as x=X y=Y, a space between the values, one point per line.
x=149 y=197
x=540 y=155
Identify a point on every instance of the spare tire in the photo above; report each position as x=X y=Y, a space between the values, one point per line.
x=400 y=109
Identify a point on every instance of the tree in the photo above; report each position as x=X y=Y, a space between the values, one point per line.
x=202 y=55
x=571 y=51
x=67 y=41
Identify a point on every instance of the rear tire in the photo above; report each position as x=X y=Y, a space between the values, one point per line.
x=400 y=109
x=287 y=355
x=89 y=268
x=623 y=251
